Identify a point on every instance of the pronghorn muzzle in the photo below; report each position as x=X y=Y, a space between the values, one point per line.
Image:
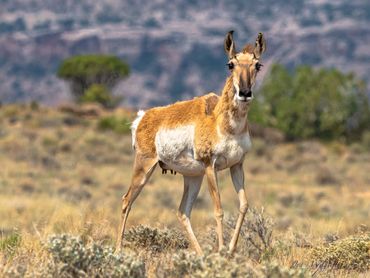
x=245 y=95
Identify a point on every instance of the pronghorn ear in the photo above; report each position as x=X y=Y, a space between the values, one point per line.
x=229 y=45
x=260 y=46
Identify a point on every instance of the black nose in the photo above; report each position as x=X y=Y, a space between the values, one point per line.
x=246 y=93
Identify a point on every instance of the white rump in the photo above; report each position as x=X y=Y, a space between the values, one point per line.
x=135 y=124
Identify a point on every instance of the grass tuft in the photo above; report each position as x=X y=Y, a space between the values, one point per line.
x=71 y=257
x=255 y=235
x=113 y=123
x=223 y=265
x=156 y=240
x=10 y=243
x=351 y=253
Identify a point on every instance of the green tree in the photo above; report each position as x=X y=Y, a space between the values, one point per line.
x=306 y=103
x=86 y=70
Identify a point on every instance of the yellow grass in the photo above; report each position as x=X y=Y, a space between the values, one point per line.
x=57 y=178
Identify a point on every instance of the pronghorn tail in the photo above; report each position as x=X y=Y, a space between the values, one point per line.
x=135 y=124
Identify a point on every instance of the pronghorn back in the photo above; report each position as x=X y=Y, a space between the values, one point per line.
x=148 y=123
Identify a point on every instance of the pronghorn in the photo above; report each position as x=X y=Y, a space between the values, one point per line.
x=199 y=137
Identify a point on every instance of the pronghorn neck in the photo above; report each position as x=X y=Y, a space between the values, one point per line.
x=231 y=114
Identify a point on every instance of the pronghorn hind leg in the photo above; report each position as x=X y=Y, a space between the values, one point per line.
x=191 y=190
x=143 y=168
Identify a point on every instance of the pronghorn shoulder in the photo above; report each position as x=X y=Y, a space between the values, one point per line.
x=210 y=101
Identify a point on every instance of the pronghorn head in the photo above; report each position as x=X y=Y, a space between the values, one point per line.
x=244 y=66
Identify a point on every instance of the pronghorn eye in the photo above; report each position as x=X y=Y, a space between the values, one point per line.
x=258 y=66
x=230 y=65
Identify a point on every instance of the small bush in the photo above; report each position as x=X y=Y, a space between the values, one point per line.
x=185 y=263
x=256 y=234
x=48 y=142
x=365 y=140
x=34 y=105
x=223 y=265
x=156 y=240
x=10 y=111
x=99 y=94
x=273 y=269
x=10 y=243
x=73 y=258
x=210 y=265
x=118 y=125
x=259 y=147
x=325 y=177
x=352 y=253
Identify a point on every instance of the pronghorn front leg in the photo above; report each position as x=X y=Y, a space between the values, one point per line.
x=237 y=175
x=215 y=194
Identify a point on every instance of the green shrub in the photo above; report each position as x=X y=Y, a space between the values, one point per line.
x=352 y=253
x=99 y=94
x=119 y=125
x=365 y=140
x=210 y=265
x=34 y=105
x=10 y=111
x=306 y=103
x=223 y=265
x=156 y=240
x=49 y=141
x=185 y=263
x=73 y=258
x=274 y=270
x=255 y=235
x=10 y=243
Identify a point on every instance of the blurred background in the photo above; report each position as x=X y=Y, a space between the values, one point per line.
x=74 y=73
x=172 y=47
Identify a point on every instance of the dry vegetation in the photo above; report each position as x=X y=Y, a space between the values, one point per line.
x=63 y=173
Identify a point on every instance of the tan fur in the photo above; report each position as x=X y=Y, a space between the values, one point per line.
x=248 y=48
x=180 y=113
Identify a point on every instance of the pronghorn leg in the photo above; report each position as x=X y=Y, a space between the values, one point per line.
x=215 y=194
x=191 y=190
x=237 y=176
x=143 y=168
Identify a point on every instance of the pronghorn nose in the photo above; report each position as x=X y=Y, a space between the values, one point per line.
x=247 y=93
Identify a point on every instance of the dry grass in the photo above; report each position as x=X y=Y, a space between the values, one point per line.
x=61 y=174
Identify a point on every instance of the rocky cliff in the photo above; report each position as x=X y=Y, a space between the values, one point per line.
x=175 y=48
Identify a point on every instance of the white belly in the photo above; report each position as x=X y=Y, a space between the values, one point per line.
x=231 y=150
x=175 y=148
